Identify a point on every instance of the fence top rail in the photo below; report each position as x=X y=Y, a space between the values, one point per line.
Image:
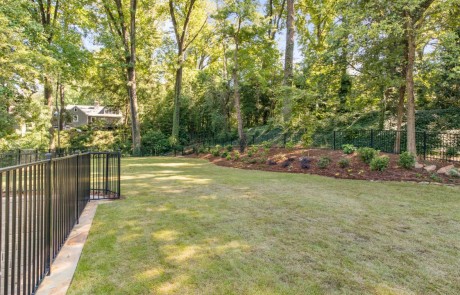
x=402 y=131
x=103 y=153
x=15 y=167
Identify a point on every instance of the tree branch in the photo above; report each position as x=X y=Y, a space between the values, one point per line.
x=196 y=35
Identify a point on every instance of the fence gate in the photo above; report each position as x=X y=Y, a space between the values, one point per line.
x=40 y=203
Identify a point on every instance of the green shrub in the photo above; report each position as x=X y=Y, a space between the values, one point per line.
x=344 y=163
x=229 y=148
x=451 y=151
x=218 y=147
x=323 y=162
x=215 y=152
x=236 y=155
x=406 y=160
x=454 y=172
x=367 y=154
x=252 y=151
x=348 y=149
x=202 y=150
x=267 y=144
x=290 y=145
x=228 y=157
x=380 y=163
x=435 y=177
x=224 y=154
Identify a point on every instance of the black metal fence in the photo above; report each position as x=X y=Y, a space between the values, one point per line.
x=40 y=204
x=430 y=145
x=18 y=157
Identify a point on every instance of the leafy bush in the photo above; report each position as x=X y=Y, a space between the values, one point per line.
x=224 y=154
x=229 y=148
x=263 y=160
x=236 y=155
x=348 y=149
x=218 y=147
x=380 y=163
x=323 y=162
x=305 y=163
x=344 y=163
x=290 y=145
x=451 y=151
x=267 y=144
x=406 y=160
x=435 y=177
x=215 y=152
x=367 y=154
x=252 y=151
x=454 y=172
x=228 y=157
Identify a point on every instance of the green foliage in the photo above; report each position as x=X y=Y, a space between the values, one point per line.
x=236 y=155
x=229 y=148
x=253 y=150
x=154 y=142
x=267 y=144
x=379 y=163
x=324 y=162
x=215 y=152
x=290 y=145
x=406 y=160
x=228 y=157
x=224 y=154
x=344 y=163
x=454 y=172
x=348 y=149
x=452 y=151
x=366 y=154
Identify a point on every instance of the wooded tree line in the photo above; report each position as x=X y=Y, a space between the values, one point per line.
x=182 y=67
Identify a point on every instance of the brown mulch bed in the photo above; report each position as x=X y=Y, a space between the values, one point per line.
x=357 y=169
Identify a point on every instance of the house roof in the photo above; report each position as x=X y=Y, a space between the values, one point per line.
x=93 y=111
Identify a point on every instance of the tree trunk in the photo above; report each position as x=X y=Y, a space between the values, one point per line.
x=288 y=60
x=61 y=107
x=402 y=95
x=177 y=95
x=411 y=141
x=236 y=95
x=135 y=130
x=48 y=91
x=399 y=118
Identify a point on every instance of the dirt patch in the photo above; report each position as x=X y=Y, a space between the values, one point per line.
x=309 y=161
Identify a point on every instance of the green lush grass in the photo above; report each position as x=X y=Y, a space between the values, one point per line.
x=189 y=227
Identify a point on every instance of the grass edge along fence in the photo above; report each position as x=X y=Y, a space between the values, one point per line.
x=40 y=203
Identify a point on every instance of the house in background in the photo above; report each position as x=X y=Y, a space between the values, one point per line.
x=86 y=115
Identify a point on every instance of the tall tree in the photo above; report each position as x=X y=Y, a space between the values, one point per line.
x=183 y=41
x=413 y=17
x=127 y=37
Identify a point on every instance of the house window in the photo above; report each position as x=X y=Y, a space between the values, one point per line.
x=75 y=118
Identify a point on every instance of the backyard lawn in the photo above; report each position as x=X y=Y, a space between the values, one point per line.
x=186 y=226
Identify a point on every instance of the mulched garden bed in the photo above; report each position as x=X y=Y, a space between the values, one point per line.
x=284 y=160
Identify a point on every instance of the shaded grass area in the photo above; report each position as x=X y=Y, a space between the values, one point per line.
x=189 y=227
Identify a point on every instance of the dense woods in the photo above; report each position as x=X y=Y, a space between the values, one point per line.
x=179 y=68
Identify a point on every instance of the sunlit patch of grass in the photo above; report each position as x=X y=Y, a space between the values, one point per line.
x=196 y=228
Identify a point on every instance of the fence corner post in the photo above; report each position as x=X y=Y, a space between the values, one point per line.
x=49 y=207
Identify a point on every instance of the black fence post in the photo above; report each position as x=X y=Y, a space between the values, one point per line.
x=284 y=139
x=253 y=139
x=78 y=191
x=333 y=144
x=49 y=207
x=119 y=173
x=424 y=144
x=372 y=138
